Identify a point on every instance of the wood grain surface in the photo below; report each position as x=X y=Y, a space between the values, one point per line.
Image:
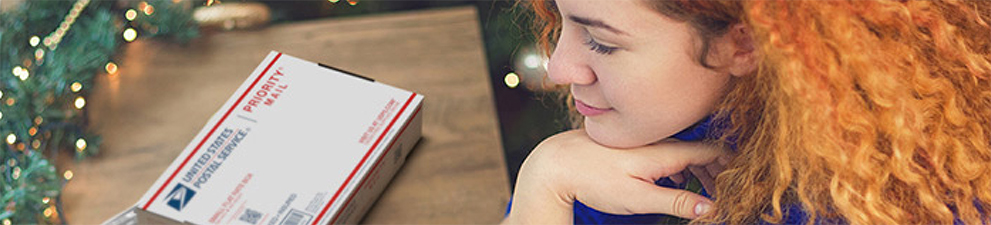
x=164 y=93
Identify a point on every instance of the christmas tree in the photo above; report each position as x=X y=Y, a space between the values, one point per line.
x=53 y=50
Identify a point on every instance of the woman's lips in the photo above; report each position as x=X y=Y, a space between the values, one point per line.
x=588 y=110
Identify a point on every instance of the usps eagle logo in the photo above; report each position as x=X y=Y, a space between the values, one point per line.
x=179 y=197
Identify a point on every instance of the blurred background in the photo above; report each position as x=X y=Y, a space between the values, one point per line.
x=527 y=110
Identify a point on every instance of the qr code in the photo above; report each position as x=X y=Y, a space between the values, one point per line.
x=250 y=216
x=296 y=217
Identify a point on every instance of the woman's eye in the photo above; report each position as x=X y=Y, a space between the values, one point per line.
x=598 y=47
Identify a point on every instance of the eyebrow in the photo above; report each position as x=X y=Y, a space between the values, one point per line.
x=594 y=23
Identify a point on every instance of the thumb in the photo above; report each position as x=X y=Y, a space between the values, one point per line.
x=675 y=202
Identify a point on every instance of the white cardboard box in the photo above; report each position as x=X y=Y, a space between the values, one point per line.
x=297 y=143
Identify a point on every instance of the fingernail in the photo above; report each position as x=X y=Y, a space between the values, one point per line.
x=702 y=208
x=724 y=160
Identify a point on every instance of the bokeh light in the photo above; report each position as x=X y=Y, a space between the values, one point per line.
x=76 y=86
x=11 y=138
x=80 y=102
x=111 y=68
x=34 y=41
x=130 y=34
x=80 y=144
x=531 y=61
x=512 y=80
x=130 y=14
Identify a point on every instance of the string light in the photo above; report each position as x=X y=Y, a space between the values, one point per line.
x=32 y=131
x=1 y=94
x=11 y=138
x=76 y=86
x=211 y=2
x=34 y=41
x=20 y=72
x=130 y=34
x=48 y=212
x=333 y=1
x=80 y=102
x=53 y=39
x=148 y=9
x=111 y=68
x=1 y=115
x=6 y=221
x=38 y=120
x=11 y=162
x=16 y=173
x=17 y=70
x=45 y=200
x=80 y=145
x=67 y=175
x=130 y=14
x=512 y=80
x=35 y=144
x=10 y=101
x=38 y=54
x=352 y=2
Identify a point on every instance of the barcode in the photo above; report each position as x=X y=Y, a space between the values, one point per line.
x=250 y=216
x=296 y=217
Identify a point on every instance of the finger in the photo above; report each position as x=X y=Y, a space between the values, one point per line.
x=667 y=158
x=715 y=169
x=687 y=174
x=649 y=198
x=677 y=178
x=724 y=159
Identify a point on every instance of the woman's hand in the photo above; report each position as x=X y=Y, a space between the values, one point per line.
x=569 y=166
x=706 y=174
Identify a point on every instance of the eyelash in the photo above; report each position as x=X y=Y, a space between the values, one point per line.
x=599 y=48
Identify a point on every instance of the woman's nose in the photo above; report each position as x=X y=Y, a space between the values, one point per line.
x=569 y=64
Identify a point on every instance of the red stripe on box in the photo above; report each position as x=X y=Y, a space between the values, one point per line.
x=363 y=159
x=375 y=166
x=208 y=134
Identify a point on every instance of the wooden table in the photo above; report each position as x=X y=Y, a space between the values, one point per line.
x=164 y=93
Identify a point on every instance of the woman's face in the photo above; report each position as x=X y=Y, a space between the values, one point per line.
x=633 y=73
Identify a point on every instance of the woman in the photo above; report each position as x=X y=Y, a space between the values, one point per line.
x=856 y=111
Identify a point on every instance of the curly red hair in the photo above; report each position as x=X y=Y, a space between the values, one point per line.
x=865 y=112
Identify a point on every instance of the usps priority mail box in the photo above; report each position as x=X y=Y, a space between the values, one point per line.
x=297 y=143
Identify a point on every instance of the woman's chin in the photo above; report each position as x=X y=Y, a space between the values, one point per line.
x=613 y=138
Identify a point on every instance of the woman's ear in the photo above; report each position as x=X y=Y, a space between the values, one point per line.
x=736 y=51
